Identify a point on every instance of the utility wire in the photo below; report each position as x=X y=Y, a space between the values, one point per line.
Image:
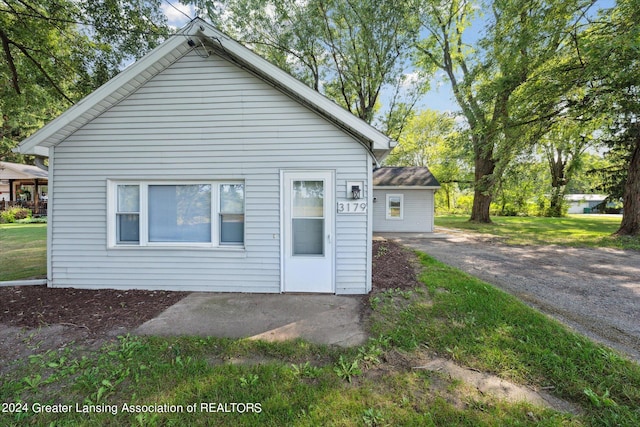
x=171 y=4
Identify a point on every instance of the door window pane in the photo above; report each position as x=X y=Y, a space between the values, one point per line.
x=180 y=213
x=308 y=199
x=308 y=236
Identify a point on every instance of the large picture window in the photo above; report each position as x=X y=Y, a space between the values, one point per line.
x=165 y=214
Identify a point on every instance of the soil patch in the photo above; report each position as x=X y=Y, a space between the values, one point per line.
x=394 y=266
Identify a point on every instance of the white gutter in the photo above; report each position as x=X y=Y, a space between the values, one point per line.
x=35 y=282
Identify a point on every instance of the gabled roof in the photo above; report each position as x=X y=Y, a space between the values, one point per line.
x=20 y=171
x=405 y=177
x=196 y=33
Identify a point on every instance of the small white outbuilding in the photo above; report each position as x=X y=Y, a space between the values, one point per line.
x=403 y=199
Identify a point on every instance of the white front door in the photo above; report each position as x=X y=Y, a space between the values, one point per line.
x=308 y=224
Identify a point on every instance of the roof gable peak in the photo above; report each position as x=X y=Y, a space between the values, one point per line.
x=197 y=33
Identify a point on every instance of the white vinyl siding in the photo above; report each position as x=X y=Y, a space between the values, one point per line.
x=417 y=210
x=199 y=120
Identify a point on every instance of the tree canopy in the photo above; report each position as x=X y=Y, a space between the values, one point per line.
x=607 y=66
x=540 y=73
x=56 y=52
x=490 y=79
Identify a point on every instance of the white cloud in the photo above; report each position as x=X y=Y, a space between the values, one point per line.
x=176 y=14
x=410 y=79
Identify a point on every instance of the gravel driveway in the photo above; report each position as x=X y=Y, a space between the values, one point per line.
x=596 y=291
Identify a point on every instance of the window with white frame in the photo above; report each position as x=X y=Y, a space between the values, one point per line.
x=395 y=208
x=165 y=214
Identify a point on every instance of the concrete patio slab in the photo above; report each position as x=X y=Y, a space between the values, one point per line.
x=322 y=319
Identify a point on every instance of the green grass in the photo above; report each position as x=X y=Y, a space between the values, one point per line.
x=484 y=328
x=23 y=251
x=23 y=246
x=300 y=384
x=573 y=230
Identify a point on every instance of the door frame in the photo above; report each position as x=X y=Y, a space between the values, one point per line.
x=330 y=228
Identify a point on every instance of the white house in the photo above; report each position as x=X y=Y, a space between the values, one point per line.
x=203 y=167
x=403 y=199
x=583 y=203
x=22 y=182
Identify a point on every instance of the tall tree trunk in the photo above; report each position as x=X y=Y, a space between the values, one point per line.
x=556 y=202
x=630 y=225
x=558 y=181
x=484 y=182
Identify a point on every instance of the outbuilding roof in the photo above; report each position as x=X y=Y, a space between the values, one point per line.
x=195 y=35
x=409 y=177
x=585 y=197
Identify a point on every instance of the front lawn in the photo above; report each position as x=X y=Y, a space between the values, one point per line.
x=573 y=230
x=23 y=251
x=213 y=381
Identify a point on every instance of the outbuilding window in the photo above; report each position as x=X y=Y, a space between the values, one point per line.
x=176 y=214
x=395 y=208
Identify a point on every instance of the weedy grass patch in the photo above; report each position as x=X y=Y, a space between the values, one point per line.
x=479 y=326
x=156 y=381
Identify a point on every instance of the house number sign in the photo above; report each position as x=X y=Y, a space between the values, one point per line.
x=352 y=207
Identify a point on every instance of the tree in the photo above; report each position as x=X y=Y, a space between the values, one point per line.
x=489 y=78
x=349 y=50
x=607 y=66
x=522 y=187
x=563 y=147
x=432 y=139
x=425 y=141
x=54 y=53
x=40 y=66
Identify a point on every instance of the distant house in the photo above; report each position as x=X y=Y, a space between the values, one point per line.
x=203 y=167
x=403 y=199
x=25 y=186
x=584 y=203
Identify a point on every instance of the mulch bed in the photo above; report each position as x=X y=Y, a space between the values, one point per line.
x=103 y=310
x=95 y=310
x=394 y=266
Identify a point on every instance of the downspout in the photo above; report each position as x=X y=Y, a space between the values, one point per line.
x=40 y=163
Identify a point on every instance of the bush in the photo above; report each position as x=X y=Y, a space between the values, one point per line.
x=13 y=214
x=32 y=220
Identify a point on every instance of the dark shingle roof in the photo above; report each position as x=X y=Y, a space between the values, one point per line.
x=404 y=177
